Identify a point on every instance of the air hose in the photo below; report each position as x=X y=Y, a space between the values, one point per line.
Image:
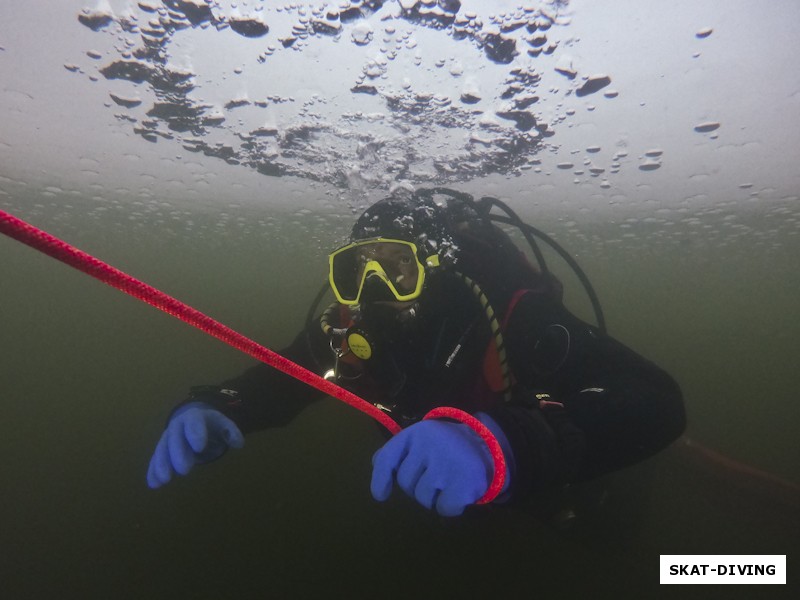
x=34 y=237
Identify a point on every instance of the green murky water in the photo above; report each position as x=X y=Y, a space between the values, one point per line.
x=90 y=374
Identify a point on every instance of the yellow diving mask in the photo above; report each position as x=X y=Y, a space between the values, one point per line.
x=395 y=262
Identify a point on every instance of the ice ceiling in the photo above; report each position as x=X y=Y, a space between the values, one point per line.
x=645 y=105
x=360 y=92
x=372 y=90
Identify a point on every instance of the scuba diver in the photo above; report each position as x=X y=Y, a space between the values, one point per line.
x=436 y=306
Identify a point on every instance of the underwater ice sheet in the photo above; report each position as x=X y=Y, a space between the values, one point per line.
x=353 y=93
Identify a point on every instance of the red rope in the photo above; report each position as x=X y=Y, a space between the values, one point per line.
x=498 y=458
x=60 y=250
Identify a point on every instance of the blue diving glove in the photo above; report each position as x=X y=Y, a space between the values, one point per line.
x=443 y=465
x=195 y=434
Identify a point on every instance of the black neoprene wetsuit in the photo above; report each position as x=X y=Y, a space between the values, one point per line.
x=582 y=403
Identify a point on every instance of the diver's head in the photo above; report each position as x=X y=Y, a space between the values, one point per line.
x=395 y=246
x=411 y=217
x=401 y=276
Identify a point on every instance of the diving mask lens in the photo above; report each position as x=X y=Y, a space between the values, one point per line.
x=393 y=262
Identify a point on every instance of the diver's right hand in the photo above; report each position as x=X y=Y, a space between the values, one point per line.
x=196 y=434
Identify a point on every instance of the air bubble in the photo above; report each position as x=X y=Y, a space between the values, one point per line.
x=126 y=102
x=251 y=28
x=593 y=84
x=650 y=165
x=362 y=34
x=706 y=127
x=565 y=67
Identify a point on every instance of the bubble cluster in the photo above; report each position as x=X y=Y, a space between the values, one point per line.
x=357 y=93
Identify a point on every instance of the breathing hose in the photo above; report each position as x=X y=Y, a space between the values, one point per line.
x=50 y=245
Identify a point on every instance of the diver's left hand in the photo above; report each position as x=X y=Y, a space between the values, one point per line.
x=445 y=466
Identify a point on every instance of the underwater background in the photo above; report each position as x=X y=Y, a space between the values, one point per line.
x=675 y=186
